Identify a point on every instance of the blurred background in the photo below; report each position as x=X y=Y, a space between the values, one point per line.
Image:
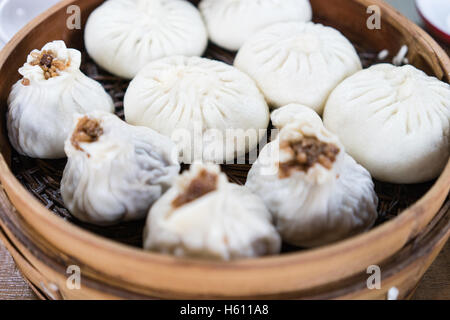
x=14 y=14
x=408 y=8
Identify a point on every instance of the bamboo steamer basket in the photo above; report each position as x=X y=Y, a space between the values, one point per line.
x=43 y=244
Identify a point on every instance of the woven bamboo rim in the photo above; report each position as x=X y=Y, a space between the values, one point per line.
x=46 y=271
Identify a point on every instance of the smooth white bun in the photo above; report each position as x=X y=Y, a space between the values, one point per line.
x=201 y=104
x=226 y=223
x=232 y=22
x=297 y=62
x=394 y=121
x=122 y=36
x=40 y=111
x=318 y=204
x=119 y=174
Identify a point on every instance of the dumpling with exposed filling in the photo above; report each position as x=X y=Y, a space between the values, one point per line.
x=115 y=171
x=317 y=193
x=205 y=216
x=42 y=104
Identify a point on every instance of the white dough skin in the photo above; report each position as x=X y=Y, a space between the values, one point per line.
x=40 y=114
x=294 y=112
x=201 y=104
x=296 y=62
x=122 y=36
x=228 y=223
x=119 y=176
x=394 y=121
x=318 y=206
x=232 y=22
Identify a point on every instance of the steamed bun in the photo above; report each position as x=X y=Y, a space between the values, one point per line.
x=297 y=62
x=42 y=104
x=115 y=171
x=317 y=192
x=122 y=36
x=395 y=121
x=231 y=22
x=213 y=111
x=205 y=216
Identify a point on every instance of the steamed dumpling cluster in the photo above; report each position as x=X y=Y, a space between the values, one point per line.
x=232 y=22
x=316 y=192
x=213 y=111
x=41 y=105
x=296 y=62
x=115 y=171
x=205 y=216
x=304 y=188
x=122 y=36
x=395 y=121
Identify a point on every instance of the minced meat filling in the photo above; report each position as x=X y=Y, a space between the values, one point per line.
x=49 y=64
x=87 y=130
x=306 y=153
x=204 y=183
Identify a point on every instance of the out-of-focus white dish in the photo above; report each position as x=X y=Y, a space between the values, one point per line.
x=14 y=14
x=436 y=14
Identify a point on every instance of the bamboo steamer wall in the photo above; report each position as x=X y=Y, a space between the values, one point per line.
x=44 y=245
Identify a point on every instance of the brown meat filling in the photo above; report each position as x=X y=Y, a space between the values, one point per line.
x=306 y=153
x=48 y=63
x=87 y=130
x=204 y=183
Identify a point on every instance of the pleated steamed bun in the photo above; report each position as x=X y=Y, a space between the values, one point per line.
x=115 y=171
x=295 y=62
x=213 y=111
x=122 y=36
x=316 y=191
x=42 y=104
x=205 y=216
x=231 y=22
x=395 y=121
